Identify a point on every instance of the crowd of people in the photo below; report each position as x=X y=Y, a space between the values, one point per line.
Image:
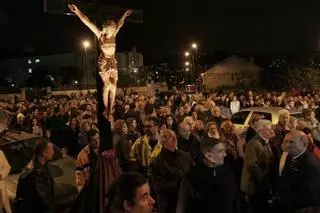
x=189 y=150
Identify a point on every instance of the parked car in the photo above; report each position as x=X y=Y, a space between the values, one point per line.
x=243 y=118
x=18 y=149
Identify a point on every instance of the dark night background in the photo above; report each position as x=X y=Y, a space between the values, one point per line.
x=258 y=28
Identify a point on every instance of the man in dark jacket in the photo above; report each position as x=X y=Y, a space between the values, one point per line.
x=258 y=172
x=167 y=170
x=210 y=185
x=300 y=178
x=187 y=142
x=35 y=186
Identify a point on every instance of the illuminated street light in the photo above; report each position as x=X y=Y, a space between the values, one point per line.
x=186 y=54
x=187 y=63
x=194 y=45
x=187 y=69
x=86 y=44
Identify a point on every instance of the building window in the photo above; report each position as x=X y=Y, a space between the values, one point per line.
x=37 y=60
x=29 y=70
x=29 y=61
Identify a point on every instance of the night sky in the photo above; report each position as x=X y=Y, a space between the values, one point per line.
x=260 y=28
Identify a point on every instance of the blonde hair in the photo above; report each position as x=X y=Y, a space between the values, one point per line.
x=188 y=119
x=284 y=112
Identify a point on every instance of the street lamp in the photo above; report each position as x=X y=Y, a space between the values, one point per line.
x=86 y=44
x=187 y=63
x=187 y=54
x=187 y=69
x=194 y=45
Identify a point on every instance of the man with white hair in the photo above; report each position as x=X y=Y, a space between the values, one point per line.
x=280 y=130
x=187 y=141
x=167 y=169
x=258 y=168
x=300 y=176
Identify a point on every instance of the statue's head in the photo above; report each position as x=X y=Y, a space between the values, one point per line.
x=109 y=27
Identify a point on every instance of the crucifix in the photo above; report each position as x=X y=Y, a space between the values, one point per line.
x=107 y=63
x=93 y=196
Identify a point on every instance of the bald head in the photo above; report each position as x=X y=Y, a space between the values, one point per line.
x=295 y=142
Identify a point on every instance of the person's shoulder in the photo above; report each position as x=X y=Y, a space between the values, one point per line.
x=193 y=172
x=313 y=162
x=254 y=141
x=227 y=170
x=184 y=155
x=27 y=171
x=84 y=151
x=141 y=139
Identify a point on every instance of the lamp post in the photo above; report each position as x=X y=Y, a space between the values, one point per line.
x=194 y=47
x=193 y=74
x=86 y=44
x=188 y=65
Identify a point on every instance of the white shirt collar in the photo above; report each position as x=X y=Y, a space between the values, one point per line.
x=295 y=157
x=266 y=140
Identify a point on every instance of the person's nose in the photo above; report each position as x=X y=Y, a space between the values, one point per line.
x=224 y=154
x=152 y=201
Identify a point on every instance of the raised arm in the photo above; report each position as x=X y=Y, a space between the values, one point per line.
x=121 y=21
x=84 y=19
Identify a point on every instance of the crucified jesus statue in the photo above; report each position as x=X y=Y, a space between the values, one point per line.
x=107 y=61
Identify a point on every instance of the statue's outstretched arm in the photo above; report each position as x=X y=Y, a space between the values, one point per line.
x=85 y=19
x=121 y=21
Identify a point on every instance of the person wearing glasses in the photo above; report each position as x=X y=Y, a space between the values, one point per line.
x=145 y=148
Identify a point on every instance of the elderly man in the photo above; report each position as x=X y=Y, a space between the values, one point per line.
x=167 y=170
x=258 y=168
x=300 y=177
x=281 y=129
x=210 y=185
x=187 y=142
x=216 y=116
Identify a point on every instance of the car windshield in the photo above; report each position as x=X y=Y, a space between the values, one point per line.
x=20 y=153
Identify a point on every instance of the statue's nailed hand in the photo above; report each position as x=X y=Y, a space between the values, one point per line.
x=73 y=8
x=128 y=13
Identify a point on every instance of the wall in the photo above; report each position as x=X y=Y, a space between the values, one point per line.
x=231 y=72
x=148 y=90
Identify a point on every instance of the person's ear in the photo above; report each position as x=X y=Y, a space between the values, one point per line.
x=127 y=206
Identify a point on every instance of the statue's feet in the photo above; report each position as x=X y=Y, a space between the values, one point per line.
x=109 y=117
